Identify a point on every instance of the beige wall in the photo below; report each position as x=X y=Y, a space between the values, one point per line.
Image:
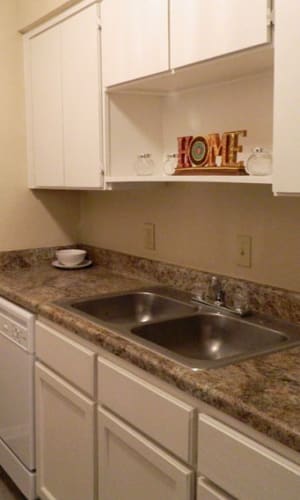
x=27 y=219
x=197 y=226
x=30 y=11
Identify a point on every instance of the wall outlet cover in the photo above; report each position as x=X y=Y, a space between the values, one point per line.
x=244 y=250
x=149 y=236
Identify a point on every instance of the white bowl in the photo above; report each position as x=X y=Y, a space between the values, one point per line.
x=71 y=256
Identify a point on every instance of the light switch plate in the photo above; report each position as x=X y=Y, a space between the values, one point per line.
x=244 y=244
x=149 y=236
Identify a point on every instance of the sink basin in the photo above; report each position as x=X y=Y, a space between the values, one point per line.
x=133 y=308
x=210 y=339
x=197 y=336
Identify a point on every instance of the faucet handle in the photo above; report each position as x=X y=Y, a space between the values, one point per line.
x=215 y=284
x=220 y=297
x=216 y=292
x=241 y=302
x=200 y=291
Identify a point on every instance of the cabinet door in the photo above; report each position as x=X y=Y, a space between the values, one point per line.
x=65 y=440
x=286 y=138
x=45 y=139
x=131 y=467
x=209 y=491
x=202 y=29
x=134 y=39
x=64 y=101
x=81 y=90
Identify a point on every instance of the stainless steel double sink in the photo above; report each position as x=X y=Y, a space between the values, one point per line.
x=197 y=336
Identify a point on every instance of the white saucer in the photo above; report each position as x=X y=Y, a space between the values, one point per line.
x=82 y=265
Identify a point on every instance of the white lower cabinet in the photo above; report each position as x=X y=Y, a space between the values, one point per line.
x=243 y=467
x=209 y=491
x=65 y=424
x=132 y=468
x=147 y=436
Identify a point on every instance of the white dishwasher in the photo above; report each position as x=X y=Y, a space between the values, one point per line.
x=17 y=396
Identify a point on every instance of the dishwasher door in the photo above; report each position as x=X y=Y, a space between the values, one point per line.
x=17 y=399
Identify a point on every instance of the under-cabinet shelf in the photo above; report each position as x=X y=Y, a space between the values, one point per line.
x=237 y=179
x=217 y=70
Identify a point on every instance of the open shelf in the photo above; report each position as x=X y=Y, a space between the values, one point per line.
x=148 y=115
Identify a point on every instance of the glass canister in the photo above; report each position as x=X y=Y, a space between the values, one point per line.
x=144 y=164
x=259 y=162
x=170 y=163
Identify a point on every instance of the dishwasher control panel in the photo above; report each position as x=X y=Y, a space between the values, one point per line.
x=17 y=324
x=14 y=331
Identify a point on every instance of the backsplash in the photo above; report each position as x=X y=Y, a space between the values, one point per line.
x=22 y=259
x=263 y=299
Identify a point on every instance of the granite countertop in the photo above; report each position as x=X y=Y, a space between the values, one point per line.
x=263 y=393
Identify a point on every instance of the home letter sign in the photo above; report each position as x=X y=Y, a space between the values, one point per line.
x=197 y=155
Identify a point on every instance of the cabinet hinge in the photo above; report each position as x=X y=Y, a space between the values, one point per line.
x=99 y=26
x=101 y=176
x=270 y=17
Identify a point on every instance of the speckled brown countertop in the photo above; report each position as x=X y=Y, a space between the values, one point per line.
x=263 y=392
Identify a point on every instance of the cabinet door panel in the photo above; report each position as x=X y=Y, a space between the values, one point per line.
x=135 y=39
x=131 y=467
x=208 y=491
x=202 y=29
x=65 y=439
x=81 y=98
x=286 y=99
x=47 y=123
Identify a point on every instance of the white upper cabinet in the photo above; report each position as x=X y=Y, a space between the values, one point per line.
x=46 y=124
x=203 y=29
x=134 y=39
x=64 y=104
x=81 y=94
x=286 y=175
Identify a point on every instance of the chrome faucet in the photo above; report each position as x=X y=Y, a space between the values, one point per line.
x=217 y=294
x=216 y=298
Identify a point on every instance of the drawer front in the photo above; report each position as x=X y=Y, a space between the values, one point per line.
x=71 y=360
x=208 y=491
x=160 y=416
x=243 y=467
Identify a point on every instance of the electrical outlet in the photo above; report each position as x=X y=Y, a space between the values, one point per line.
x=244 y=244
x=149 y=236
